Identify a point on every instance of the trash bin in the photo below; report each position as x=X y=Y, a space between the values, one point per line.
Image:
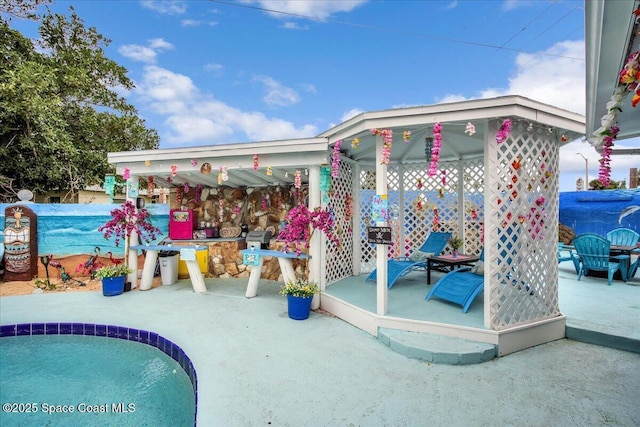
x=168 y=267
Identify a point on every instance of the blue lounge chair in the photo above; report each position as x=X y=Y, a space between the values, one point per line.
x=594 y=253
x=460 y=286
x=398 y=267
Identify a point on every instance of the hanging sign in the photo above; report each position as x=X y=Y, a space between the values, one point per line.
x=379 y=235
x=325 y=178
x=250 y=259
x=379 y=208
x=132 y=189
x=109 y=184
x=188 y=254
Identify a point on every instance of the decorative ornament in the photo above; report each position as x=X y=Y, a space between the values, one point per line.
x=174 y=170
x=186 y=187
x=297 y=180
x=147 y=163
x=150 y=186
x=563 y=138
x=335 y=160
x=205 y=169
x=269 y=171
x=503 y=132
x=194 y=162
x=444 y=176
x=255 y=162
x=198 y=193
x=126 y=173
x=406 y=135
x=355 y=142
x=470 y=129
x=435 y=150
x=387 y=139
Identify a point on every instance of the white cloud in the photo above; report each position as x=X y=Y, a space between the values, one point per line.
x=214 y=68
x=318 y=9
x=197 y=23
x=192 y=117
x=294 y=26
x=147 y=54
x=553 y=77
x=351 y=113
x=452 y=5
x=166 y=7
x=277 y=95
x=309 y=88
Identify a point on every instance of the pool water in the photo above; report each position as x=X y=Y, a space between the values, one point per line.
x=77 y=380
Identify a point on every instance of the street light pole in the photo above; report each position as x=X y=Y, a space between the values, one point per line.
x=586 y=171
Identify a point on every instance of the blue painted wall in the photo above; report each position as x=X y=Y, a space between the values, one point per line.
x=72 y=229
x=599 y=211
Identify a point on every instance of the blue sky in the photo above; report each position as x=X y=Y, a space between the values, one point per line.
x=209 y=72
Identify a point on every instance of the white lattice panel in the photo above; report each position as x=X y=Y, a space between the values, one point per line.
x=523 y=237
x=425 y=204
x=341 y=203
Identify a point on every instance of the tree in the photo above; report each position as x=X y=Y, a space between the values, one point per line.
x=60 y=113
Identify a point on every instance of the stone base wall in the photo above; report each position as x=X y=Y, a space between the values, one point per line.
x=225 y=262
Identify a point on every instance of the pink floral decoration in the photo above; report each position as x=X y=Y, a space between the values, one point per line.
x=503 y=132
x=187 y=187
x=406 y=135
x=194 y=162
x=297 y=180
x=444 y=176
x=174 y=170
x=125 y=220
x=255 y=162
x=335 y=160
x=435 y=150
x=604 y=174
x=126 y=173
x=387 y=139
x=470 y=129
x=302 y=223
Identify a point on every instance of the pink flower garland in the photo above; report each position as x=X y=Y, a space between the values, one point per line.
x=335 y=160
x=387 y=138
x=604 y=174
x=503 y=132
x=435 y=150
x=255 y=162
x=297 y=180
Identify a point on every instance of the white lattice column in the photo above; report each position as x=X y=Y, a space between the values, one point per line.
x=316 y=243
x=132 y=256
x=357 y=218
x=382 y=293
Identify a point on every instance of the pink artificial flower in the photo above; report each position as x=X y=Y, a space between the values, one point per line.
x=435 y=150
x=255 y=162
x=126 y=173
x=335 y=160
x=503 y=132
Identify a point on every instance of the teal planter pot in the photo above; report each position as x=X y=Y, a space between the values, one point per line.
x=299 y=307
x=112 y=286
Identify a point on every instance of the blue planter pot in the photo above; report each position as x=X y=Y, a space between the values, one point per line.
x=112 y=286
x=299 y=307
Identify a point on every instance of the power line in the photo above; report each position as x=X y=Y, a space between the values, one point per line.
x=388 y=30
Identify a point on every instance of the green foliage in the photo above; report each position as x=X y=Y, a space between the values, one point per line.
x=300 y=288
x=613 y=185
x=60 y=112
x=456 y=242
x=114 y=270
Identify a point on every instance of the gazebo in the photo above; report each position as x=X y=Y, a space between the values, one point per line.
x=485 y=170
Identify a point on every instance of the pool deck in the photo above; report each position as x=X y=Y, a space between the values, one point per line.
x=257 y=367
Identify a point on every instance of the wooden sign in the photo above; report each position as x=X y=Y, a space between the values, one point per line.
x=379 y=235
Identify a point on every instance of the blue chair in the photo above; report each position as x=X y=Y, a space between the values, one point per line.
x=626 y=237
x=623 y=237
x=399 y=267
x=460 y=286
x=567 y=254
x=594 y=253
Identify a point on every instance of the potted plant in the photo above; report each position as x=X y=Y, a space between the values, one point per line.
x=126 y=220
x=455 y=243
x=113 y=278
x=301 y=223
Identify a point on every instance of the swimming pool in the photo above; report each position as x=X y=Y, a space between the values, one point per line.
x=66 y=374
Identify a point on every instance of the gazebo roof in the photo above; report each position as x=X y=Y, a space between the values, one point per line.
x=284 y=157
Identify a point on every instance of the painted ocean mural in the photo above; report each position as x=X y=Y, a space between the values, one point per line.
x=72 y=229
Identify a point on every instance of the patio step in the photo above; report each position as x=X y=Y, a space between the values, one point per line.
x=436 y=348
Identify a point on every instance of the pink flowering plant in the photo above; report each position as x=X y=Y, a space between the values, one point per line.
x=301 y=225
x=125 y=220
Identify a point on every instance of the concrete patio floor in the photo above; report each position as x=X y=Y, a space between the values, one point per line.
x=257 y=367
